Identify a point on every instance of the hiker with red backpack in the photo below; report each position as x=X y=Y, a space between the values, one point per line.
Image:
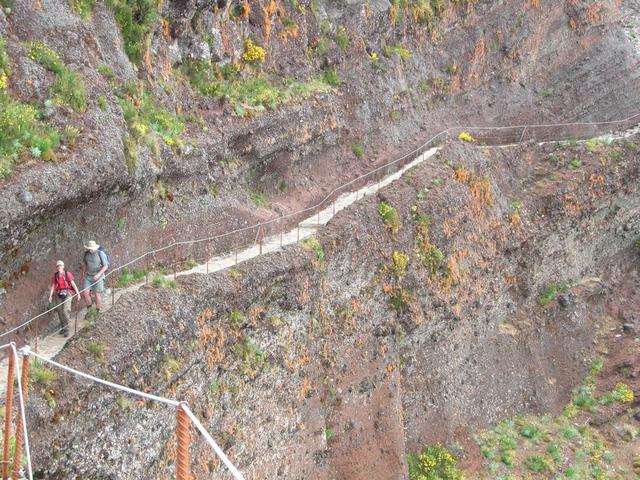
x=94 y=263
x=64 y=286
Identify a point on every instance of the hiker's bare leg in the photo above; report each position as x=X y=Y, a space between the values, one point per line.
x=87 y=298
x=98 y=300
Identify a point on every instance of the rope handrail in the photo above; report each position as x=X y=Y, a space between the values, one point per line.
x=26 y=351
x=328 y=196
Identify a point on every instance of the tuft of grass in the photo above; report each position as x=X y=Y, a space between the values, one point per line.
x=136 y=19
x=96 y=349
x=68 y=87
x=169 y=366
x=390 y=217
x=357 y=149
x=313 y=244
x=260 y=199
x=159 y=281
x=127 y=277
x=342 y=38
x=253 y=358
x=40 y=374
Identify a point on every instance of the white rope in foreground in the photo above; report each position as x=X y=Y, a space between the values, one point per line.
x=27 y=351
x=234 y=471
x=27 y=450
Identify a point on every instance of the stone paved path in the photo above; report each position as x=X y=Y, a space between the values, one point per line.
x=52 y=344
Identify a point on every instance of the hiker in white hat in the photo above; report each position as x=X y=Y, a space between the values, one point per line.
x=94 y=263
x=64 y=286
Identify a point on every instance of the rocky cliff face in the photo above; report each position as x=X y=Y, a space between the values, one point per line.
x=333 y=359
x=156 y=160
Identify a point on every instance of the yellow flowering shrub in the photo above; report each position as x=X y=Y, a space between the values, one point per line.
x=253 y=53
x=466 y=137
x=434 y=462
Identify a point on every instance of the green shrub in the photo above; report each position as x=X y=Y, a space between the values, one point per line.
x=342 y=38
x=536 y=463
x=399 y=299
x=313 y=244
x=21 y=130
x=237 y=318
x=70 y=136
x=250 y=95
x=84 y=8
x=253 y=358
x=391 y=50
x=147 y=121
x=135 y=19
x=390 y=217
x=331 y=77
x=552 y=290
x=357 y=149
x=399 y=264
x=68 y=87
x=434 y=462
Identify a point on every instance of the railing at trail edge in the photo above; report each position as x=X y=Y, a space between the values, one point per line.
x=184 y=416
x=500 y=135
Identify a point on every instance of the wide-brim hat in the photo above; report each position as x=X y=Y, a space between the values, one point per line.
x=92 y=245
x=59 y=263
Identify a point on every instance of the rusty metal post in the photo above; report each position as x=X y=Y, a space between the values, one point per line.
x=175 y=265
x=298 y=231
x=281 y=234
x=182 y=445
x=75 y=327
x=318 y=224
x=17 y=453
x=8 y=414
x=260 y=234
x=113 y=291
x=208 y=256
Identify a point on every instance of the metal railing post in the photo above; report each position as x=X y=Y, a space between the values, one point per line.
x=8 y=413
x=113 y=292
x=38 y=333
x=260 y=235
x=17 y=453
x=182 y=445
